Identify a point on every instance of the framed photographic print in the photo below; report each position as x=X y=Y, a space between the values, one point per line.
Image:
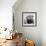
x=29 y=19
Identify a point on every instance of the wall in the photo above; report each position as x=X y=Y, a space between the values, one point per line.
x=43 y=22
x=6 y=13
x=33 y=33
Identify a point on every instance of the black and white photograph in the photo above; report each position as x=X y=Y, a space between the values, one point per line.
x=29 y=18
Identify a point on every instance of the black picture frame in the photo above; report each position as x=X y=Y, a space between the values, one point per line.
x=29 y=19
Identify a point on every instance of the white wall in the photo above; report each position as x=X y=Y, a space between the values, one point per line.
x=6 y=13
x=33 y=33
x=43 y=22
